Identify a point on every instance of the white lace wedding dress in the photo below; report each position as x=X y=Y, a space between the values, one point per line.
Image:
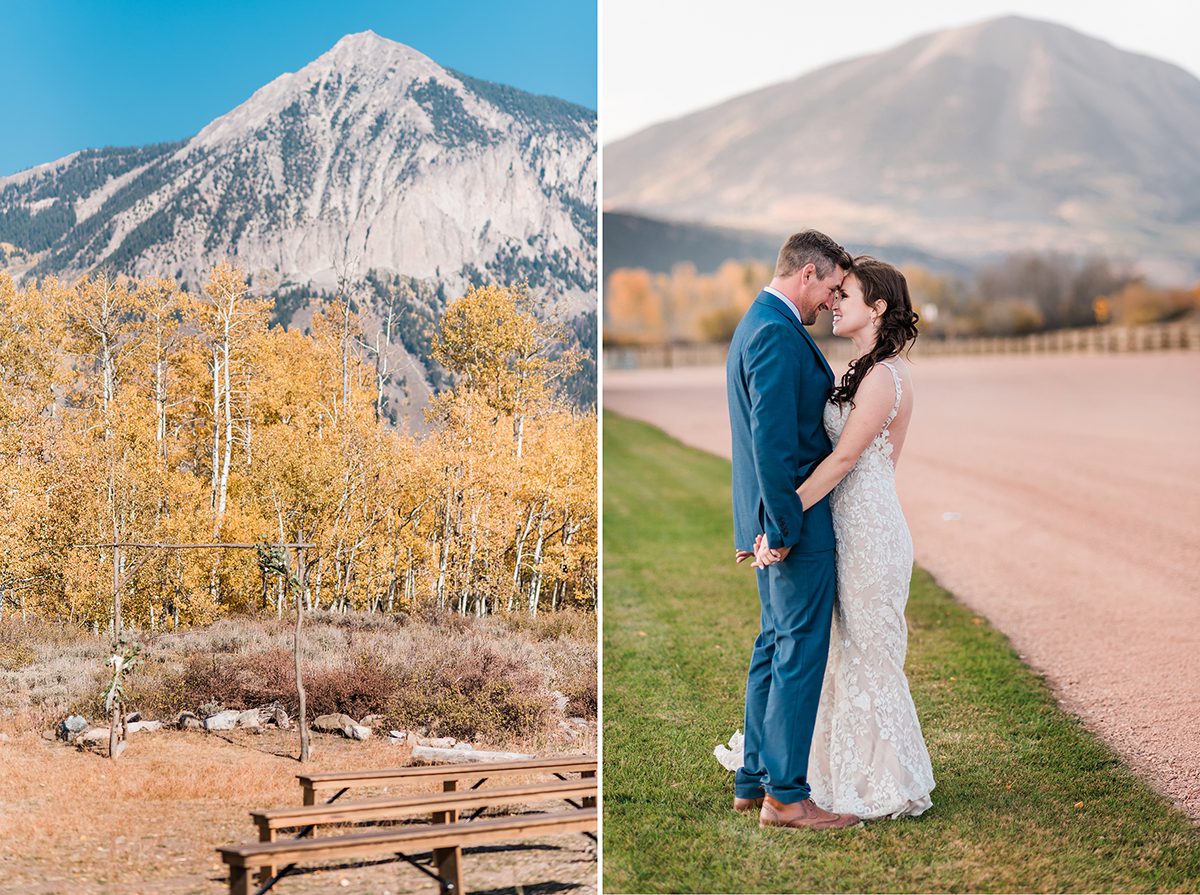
x=868 y=757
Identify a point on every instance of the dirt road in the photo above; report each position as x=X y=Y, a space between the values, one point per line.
x=1059 y=496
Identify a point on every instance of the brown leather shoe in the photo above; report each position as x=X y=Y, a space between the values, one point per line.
x=803 y=815
x=746 y=805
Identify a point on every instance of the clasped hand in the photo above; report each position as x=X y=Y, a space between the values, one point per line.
x=763 y=555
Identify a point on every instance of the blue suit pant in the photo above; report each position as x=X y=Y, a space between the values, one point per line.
x=787 y=668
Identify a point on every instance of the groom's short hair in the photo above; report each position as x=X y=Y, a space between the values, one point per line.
x=811 y=247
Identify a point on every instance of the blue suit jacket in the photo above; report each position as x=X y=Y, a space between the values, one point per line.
x=778 y=382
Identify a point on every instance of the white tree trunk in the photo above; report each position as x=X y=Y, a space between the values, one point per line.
x=535 y=581
x=216 y=422
x=227 y=398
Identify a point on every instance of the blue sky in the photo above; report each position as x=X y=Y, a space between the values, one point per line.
x=76 y=74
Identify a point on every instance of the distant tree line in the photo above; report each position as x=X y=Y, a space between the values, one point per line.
x=135 y=411
x=1023 y=293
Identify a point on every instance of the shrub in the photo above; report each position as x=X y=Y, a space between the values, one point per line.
x=490 y=678
x=481 y=692
x=583 y=696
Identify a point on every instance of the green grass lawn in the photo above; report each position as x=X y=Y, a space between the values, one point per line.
x=1027 y=800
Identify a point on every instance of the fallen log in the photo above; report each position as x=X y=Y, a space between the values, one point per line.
x=430 y=753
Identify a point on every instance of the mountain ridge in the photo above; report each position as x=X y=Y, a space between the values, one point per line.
x=371 y=162
x=658 y=246
x=1002 y=135
x=397 y=119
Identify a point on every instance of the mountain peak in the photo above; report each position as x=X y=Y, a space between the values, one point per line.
x=1013 y=20
x=1010 y=41
x=992 y=136
x=368 y=41
x=367 y=36
x=368 y=48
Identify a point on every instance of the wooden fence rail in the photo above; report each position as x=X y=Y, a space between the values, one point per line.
x=1091 y=340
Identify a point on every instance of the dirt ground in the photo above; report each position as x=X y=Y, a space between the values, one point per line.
x=73 y=822
x=1059 y=496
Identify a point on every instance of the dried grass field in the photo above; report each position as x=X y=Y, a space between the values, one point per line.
x=72 y=821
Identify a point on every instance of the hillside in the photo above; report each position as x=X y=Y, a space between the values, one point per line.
x=1003 y=135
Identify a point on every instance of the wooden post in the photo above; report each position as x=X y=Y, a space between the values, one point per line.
x=452 y=814
x=448 y=861
x=588 y=801
x=239 y=881
x=117 y=624
x=302 y=720
x=265 y=834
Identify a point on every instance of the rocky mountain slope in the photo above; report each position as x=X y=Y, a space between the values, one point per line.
x=1007 y=134
x=372 y=161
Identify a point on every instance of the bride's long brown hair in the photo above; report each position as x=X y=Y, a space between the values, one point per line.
x=897 y=323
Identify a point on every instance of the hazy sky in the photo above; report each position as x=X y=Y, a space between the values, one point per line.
x=664 y=58
x=87 y=73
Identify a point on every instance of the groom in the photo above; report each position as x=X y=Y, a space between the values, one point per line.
x=778 y=382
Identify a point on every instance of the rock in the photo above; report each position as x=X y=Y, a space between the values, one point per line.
x=248 y=718
x=188 y=721
x=359 y=732
x=100 y=734
x=72 y=725
x=437 y=742
x=133 y=716
x=4 y=738
x=560 y=702
x=371 y=720
x=281 y=718
x=404 y=742
x=461 y=747
x=335 y=723
x=225 y=720
x=95 y=735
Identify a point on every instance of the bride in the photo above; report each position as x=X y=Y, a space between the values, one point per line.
x=868 y=757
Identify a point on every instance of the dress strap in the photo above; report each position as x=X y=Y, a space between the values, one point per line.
x=899 y=392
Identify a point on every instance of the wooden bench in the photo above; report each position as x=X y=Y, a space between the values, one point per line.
x=442 y=806
x=444 y=840
x=449 y=775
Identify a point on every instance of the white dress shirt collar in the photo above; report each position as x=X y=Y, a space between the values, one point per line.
x=787 y=301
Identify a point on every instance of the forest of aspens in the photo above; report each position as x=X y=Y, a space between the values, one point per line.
x=133 y=412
